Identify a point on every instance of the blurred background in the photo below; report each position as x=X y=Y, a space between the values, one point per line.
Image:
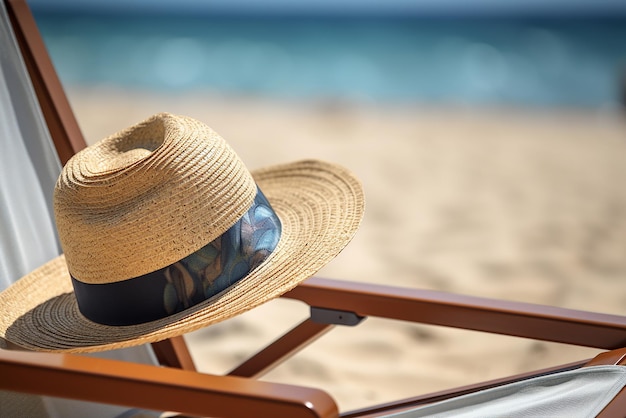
x=490 y=138
x=531 y=53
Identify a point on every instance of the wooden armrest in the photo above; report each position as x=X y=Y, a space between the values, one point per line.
x=613 y=357
x=157 y=388
x=519 y=319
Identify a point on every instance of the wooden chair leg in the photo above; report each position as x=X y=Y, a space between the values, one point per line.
x=281 y=349
x=174 y=352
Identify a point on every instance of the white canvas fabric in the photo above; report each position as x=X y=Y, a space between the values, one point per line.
x=577 y=393
x=29 y=168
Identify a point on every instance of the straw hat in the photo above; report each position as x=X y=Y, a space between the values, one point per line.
x=165 y=231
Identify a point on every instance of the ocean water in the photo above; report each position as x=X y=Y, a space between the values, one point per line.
x=486 y=61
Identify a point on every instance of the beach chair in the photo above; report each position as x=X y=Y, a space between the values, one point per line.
x=332 y=303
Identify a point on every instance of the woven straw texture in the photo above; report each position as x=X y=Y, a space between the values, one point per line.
x=122 y=203
x=320 y=206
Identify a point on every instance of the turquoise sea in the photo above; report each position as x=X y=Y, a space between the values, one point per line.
x=551 y=61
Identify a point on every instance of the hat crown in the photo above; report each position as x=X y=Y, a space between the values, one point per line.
x=146 y=197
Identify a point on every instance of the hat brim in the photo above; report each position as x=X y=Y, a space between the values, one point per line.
x=320 y=206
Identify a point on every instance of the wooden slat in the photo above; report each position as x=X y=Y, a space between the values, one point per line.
x=62 y=124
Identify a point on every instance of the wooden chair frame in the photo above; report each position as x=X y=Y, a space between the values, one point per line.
x=333 y=302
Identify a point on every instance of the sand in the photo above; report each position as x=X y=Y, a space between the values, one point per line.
x=519 y=204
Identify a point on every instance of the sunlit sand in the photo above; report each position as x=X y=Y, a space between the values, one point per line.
x=520 y=204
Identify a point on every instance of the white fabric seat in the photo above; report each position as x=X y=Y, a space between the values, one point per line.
x=581 y=393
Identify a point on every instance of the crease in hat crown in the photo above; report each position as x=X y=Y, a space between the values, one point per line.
x=146 y=197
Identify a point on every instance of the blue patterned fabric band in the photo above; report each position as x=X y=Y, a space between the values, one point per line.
x=189 y=281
